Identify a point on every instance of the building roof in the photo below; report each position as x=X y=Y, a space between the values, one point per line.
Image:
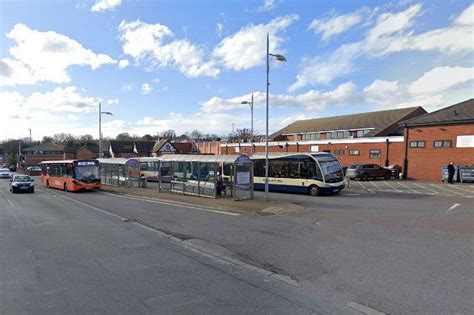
x=169 y=147
x=121 y=146
x=379 y=121
x=144 y=146
x=455 y=114
x=184 y=147
x=45 y=147
x=75 y=148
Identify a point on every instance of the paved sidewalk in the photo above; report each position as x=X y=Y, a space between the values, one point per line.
x=254 y=206
x=416 y=187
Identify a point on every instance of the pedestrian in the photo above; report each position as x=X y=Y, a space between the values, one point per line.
x=451 y=173
x=220 y=185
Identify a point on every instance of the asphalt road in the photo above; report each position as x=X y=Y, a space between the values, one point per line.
x=397 y=253
x=61 y=256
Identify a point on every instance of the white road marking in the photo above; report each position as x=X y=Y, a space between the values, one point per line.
x=373 y=184
x=406 y=186
x=392 y=186
x=448 y=190
x=458 y=187
x=175 y=204
x=423 y=187
x=364 y=309
x=362 y=185
x=453 y=207
x=352 y=194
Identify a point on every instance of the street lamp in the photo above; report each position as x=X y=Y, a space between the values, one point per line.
x=279 y=58
x=101 y=152
x=251 y=120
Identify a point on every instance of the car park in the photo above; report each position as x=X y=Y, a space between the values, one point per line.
x=395 y=170
x=5 y=173
x=22 y=183
x=367 y=171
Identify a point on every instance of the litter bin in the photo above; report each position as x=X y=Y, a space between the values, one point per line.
x=466 y=174
x=142 y=183
x=444 y=174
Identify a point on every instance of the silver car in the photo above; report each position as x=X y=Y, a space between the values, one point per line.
x=5 y=173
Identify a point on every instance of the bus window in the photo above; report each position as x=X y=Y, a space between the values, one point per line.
x=143 y=166
x=259 y=168
x=314 y=172
x=277 y=169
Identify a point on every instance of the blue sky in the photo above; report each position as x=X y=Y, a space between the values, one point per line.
x=185 y=65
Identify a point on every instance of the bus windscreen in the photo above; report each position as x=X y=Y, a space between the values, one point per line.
x=87 y=173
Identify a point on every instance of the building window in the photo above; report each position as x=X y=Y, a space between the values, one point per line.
x=311 y=136
x=339 y=152
x=354 y=152
x=328 y=135
x=442 y=144
x=374 y=154
x=361 y=133
x=417 y=144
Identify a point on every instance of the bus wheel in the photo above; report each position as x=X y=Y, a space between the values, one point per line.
x=65 y=187
x=314 y=190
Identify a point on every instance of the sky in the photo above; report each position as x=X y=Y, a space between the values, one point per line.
x=185 y=65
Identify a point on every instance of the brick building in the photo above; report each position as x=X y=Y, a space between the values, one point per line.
x=84 y=152
x=374 y=137
x=435 y=139
x=129 y=149
x=43 y=152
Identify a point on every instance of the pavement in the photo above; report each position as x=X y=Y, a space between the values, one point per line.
x=361 y=251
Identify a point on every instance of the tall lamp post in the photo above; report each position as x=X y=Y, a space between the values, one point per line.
x=251 y=120
x=279 y=58
x=101 y=152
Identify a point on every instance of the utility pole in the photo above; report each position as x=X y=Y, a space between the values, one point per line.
x=30 y=135
x=100 y=132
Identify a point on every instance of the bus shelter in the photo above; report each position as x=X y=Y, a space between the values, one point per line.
x=203 y=175
x=120 y=172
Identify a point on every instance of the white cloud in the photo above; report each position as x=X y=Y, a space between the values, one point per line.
x=219 y=28
x=146 y=88
x=123 y=63
x=336 y=24
x=145 y=41
x=391 y=33
x=126 y=88
x=430 y=90
x=311 y=100
x=441 y=79
x=44 y=56
x=60 y=108
x=246 y=48
x=268 y=5
x=104 y=5
x=62 y=100
x=113 y=101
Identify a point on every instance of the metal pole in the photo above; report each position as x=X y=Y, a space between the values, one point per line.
x=100 y=132
x=19 y=152
x=251 y=125
x=266 y=123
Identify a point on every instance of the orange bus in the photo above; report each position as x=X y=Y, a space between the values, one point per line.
x=71 y=175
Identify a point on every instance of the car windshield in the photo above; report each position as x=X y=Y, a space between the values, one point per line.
x=22 y=179
x=355 y=166
x=86 y=172
x=4 y=170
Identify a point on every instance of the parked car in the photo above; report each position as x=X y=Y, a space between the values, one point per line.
x=33 y=170
x=5 y=173
x=395 y=170
x=366 y=171
x=21 y=183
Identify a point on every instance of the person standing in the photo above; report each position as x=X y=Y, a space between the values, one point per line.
x=451 y=173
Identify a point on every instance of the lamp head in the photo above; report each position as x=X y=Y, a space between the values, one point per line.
x=280 y=57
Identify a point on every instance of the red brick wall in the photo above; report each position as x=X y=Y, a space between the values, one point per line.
x=34 y=159
x=426 y=163
x=396 y=151
x=210 y=147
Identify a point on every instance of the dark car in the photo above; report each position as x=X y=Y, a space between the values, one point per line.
x=12 y=168
x=395 y=170
x=366 y=171
x=22 y=183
